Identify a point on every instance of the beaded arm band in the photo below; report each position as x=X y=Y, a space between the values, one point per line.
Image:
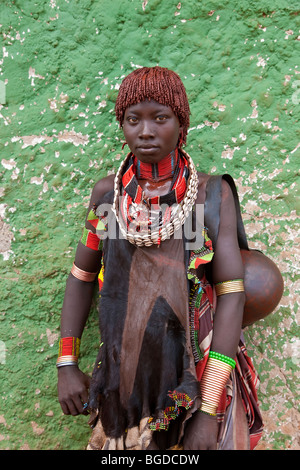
x=214 y=379
x=227 y=287
x=82 y=275
x=68 y=352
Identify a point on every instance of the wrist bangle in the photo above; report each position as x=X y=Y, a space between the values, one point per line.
x=66 y=361
x=214 y=379
x=207 y=413
x=68 y=352
x=222 y=357
x=208 y=409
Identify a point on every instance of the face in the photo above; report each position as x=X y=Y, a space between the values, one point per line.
x=151 y=130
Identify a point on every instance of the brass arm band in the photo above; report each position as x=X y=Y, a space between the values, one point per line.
x=82 y=275
x=227 y=287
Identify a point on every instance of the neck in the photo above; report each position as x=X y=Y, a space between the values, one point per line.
x=157 y=172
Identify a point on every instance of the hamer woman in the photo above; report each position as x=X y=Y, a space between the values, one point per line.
x=172 y=369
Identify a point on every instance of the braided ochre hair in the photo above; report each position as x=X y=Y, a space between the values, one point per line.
x=154 y=83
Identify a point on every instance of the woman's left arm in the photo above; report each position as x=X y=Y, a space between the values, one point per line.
x=227 y=265
x=201 y=432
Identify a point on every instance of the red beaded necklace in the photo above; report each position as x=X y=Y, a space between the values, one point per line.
x=157 y=171
x=145 y=221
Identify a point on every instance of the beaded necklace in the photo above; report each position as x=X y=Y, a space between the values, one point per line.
x=157 y=171
x=146 y=221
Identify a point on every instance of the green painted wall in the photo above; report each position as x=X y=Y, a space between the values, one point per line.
x=61 y=63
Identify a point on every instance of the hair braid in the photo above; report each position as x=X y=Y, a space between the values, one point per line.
x=154 y=83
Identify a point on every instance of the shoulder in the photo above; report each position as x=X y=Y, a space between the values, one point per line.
x=102 y=187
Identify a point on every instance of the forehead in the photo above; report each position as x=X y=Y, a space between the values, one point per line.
x=148 y=106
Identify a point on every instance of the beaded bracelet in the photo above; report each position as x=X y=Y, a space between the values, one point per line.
x=214 y=379
x=222 y=357
x=68 y=351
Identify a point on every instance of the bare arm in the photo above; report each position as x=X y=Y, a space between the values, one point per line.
x=79 y=294
x=227 y=265
x=73 y=384
x=201 y=433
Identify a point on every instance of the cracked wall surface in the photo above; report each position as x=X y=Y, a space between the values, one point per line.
x=61 y=64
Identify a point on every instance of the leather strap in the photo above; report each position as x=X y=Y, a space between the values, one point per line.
x=212 y=209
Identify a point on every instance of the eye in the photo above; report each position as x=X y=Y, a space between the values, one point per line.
x=132 y=119
x=161 y=117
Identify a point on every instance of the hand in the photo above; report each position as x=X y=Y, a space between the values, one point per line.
x=201 y=432
x=72 y=389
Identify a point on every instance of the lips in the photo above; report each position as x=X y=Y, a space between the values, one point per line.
x=147 y=147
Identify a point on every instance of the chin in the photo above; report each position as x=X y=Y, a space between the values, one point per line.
x=151 y=156
x=148 y=159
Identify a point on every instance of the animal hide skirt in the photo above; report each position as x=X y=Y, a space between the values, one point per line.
x=156 y=331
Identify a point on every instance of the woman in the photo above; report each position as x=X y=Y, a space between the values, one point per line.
x=172 y=370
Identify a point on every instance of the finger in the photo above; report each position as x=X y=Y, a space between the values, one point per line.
x=79 y=403
x=73 y=407
x=64 y=408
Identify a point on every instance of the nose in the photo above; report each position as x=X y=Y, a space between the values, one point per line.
x=146 y=130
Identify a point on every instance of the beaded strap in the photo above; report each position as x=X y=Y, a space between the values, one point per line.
x=91 y=239
x=68 y=352
x=214 y=379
